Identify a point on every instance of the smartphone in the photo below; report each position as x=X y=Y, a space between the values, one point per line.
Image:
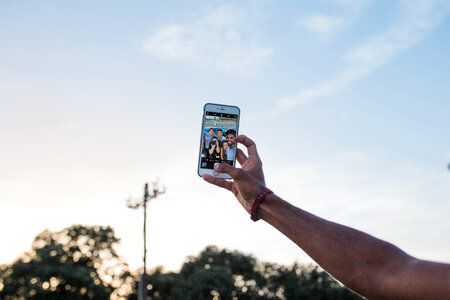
x=220 y=126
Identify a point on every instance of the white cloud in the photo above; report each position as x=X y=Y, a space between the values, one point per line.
x=168 y=43
x=326 y=26
x=418 y=18
x=352 y=4
x=218 y=39
x=321 y=24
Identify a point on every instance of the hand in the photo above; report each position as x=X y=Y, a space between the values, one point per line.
x=248 y=181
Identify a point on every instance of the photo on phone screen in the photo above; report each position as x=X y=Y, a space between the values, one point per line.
x=218 y=138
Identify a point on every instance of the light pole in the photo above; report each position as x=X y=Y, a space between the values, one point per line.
x=156 y=191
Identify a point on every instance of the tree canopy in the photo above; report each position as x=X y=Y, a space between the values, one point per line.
x=80 y=262
x=221 y=274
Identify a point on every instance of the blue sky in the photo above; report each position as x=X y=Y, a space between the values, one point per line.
x=347 y=101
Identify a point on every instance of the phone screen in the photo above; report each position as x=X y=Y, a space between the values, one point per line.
x=218 y=144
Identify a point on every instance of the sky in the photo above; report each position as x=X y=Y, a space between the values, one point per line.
x=348 y=102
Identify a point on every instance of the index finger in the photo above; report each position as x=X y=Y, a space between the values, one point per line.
x=249 y=143
x=218 y=181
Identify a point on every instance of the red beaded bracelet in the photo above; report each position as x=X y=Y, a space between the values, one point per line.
x=257 y=202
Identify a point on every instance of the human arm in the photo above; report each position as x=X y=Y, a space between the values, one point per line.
x=369 y=266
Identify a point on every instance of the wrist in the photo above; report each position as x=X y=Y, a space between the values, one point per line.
x=259 y=199
x=267 y=206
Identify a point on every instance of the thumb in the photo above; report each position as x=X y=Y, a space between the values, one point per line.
x=226 y=168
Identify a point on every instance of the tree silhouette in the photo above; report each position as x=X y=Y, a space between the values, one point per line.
x=223 y=274
x=79 y=262
x=304 y=282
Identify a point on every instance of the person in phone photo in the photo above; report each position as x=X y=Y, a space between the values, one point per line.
x=220 y=137
x=207 y=138
x=206 y=141
x=231 y=140
x=214 y=149
x=223 y=151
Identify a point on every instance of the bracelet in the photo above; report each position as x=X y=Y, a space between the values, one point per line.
x=257 y=202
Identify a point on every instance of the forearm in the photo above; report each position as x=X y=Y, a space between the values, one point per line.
x=351 y=256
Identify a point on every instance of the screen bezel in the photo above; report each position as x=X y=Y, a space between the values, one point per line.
x=217 y=108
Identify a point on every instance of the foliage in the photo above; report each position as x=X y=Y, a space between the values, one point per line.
x=78 y=262
x=304 y=282
x=223 y=274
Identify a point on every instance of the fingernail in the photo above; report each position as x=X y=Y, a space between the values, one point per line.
x=216 y=166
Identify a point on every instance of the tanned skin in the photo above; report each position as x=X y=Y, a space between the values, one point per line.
x=369 y=266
